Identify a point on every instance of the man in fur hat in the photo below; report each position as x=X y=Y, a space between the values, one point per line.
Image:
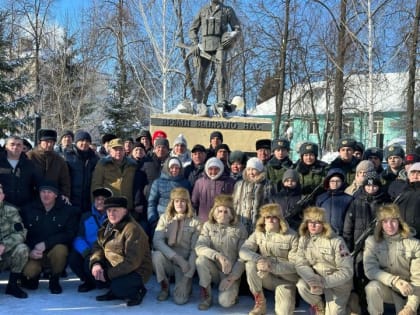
x=392 y=262
x=269 y=255
x=324 y=265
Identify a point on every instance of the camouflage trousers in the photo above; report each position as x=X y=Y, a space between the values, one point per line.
x=15 y=259
x=55 y=258
x=209 y=272
x=336 y=298
x=285 y=291
x=164 y=268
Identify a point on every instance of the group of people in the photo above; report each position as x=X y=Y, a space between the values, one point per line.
x=133 y=207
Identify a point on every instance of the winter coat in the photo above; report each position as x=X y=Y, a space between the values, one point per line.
x=81 y=166
x=361 y=212
x=185 y=248
x=310 y=176
x=388 y=176
x=327 y=257
x=222 y=239
x=56 y=226
x=391 y=257
x=204 y=191
x=20 y=183
x=122 y=248
x=349 y=168
x=117 y=177
x=87 y=233
x=193 y=172
x=248 y=197
x=409 y=202
x=287 y=198
x=12 y=230
x=52 y=167
x=275 y=169
x=279 y=248
x=152 y=166
x=335 y=202
x=161 y=190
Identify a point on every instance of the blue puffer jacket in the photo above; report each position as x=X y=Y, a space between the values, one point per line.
x=161 y=190
x=335 y=202
x=88 y=231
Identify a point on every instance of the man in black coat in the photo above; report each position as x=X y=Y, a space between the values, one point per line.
x=18 y=174
x=81 y=161
x=51 y=226
x=409 y=200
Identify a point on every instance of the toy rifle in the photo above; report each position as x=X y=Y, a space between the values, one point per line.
x=360 y=242
x=303 y=202
x=203 y=53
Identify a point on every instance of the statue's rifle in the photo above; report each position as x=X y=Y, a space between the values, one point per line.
x=203 y=53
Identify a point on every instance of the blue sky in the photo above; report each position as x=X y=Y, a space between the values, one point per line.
x=64 y=9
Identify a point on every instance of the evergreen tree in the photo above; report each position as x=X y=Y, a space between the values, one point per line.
x=14 y=103
x=120 y=110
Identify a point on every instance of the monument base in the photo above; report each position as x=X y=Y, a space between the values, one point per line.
x=240 y=133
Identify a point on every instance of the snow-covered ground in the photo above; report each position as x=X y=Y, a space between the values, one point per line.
x=70 y=302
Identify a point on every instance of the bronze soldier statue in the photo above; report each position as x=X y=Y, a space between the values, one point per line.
x=213 y=22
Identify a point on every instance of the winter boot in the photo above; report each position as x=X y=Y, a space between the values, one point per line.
x=86 y=286
x=164 y=291
x=260 y=307
x=54 y=284
x=205 y=299
x=138 y=298
x=30 y=284
x=318 y=309
x=13 y=288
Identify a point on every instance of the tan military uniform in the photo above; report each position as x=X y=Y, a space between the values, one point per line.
x=184 y=246
x=12 y=236
x=383 y=261
x=225 y=240
x=281 y=250
x=329 y=258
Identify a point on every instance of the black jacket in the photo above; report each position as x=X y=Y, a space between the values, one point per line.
x=57 y=226
x=360 y=213
x=81 y=165
x=19 y=184
x=409 y=202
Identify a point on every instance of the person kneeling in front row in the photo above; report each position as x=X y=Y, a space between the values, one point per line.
x=121 y=255
x=391 y=261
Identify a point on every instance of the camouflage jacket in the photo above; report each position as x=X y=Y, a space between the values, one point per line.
x=12 y=231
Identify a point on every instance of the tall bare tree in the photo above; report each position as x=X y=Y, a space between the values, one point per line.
x=282 y=68
x=414 y=39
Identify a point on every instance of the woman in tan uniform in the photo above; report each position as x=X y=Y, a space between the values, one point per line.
x=174 y=241
x=217 y=253
x=391 y=261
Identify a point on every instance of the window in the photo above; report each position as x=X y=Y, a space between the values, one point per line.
x=348 y=127
x=378 y=126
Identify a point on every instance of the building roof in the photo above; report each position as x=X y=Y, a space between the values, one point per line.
x=389 y=95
